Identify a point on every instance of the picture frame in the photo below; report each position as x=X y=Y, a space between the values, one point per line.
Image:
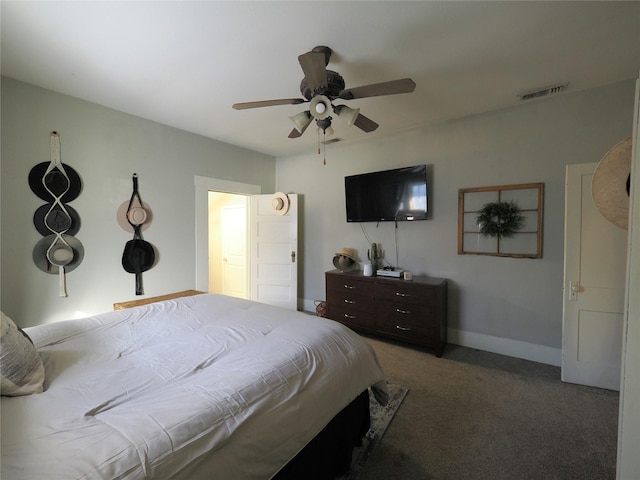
x=525 y=242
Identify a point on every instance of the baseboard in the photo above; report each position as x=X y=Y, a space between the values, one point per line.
x=506 y=346
x=489 y=343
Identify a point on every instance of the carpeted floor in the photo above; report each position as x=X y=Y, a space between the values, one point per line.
x=477 y=415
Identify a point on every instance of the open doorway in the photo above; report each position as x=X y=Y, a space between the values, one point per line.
x=272 y=242
x=228 y=245
x=204 y=185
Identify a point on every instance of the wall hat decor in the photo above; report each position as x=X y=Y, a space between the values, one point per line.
x=140 y=214
x=59 y=180
x=59 y=252
x=51 y=216
x=44 y=264
x=280 y=203
x=138 y=255
x=611 y=184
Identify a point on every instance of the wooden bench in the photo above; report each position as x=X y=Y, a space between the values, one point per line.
x=146 y=301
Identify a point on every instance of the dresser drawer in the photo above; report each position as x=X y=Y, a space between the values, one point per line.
x=405 y=293
x=429 y=336
x=345 y=286
x=353 y=316
x=409 y=315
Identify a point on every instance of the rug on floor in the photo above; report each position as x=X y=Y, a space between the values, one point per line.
x=381 y=416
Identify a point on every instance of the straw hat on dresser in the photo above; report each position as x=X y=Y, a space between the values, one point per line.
x=345 y=259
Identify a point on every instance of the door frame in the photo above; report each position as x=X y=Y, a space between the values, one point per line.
x=202 y=187
x=628 y=461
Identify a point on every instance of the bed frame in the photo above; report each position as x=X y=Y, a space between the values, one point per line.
x=328 y=455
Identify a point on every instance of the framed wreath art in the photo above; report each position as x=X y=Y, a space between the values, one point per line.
x=504 y=221
x=499 y=219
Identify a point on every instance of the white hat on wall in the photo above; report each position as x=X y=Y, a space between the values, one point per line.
x=280 y=203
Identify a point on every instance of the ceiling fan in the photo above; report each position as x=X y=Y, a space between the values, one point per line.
x=321 y=87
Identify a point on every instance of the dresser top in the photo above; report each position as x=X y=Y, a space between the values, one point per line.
x=416 y=278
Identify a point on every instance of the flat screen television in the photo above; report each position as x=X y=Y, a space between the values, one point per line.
x=389 y=195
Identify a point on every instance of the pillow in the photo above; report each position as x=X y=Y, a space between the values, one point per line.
x=21 y=368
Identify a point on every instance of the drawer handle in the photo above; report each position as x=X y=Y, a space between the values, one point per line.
x=403 y=311
x=404 y=329
x=350 y=302
x=350 y=287
x=400 y=294
x=350 y=317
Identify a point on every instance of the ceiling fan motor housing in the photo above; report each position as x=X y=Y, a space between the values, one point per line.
x=335 y=84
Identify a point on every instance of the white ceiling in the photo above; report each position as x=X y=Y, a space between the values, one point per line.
x=185 y=63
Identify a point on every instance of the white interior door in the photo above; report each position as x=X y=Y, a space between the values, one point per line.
x=234 y=250
x=274 y=252
x=594 y=285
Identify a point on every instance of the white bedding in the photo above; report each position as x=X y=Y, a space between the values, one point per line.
x=204 y=387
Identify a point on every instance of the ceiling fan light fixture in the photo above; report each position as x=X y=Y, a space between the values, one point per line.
x=320 y=107
x=349 y=115
x=301 y=120
x=326 y=132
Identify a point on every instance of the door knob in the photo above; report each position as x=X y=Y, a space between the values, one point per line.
x=574 y=289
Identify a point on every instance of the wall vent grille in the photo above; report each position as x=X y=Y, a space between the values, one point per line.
x=543 y=92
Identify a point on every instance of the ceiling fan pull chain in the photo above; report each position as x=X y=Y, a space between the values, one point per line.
x=324 y=148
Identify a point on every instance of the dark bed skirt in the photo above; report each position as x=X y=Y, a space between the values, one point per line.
x=329 y=453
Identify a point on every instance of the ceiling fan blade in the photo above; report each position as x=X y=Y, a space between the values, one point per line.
x=365 y=124
x=268 y=103
x=315 y=69
x=405 y=85
x=295 y=133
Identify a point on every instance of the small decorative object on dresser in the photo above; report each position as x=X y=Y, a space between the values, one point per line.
x=345 y=260
x=414 y=312
x=375 y=256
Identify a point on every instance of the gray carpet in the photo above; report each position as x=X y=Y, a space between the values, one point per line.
x=476 y=415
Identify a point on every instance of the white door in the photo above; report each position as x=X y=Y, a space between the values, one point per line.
x=274 y=252
x=234 y=250
x=594 y=285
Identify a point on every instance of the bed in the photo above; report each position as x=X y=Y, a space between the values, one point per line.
x=203 y=387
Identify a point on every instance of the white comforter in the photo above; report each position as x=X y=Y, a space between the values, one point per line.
x=201 y=387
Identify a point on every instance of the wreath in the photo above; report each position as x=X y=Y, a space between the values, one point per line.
x=501 y=219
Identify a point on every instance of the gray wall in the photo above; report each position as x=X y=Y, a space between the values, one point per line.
x=512 y=306
x=105 y=147
x=508 y=305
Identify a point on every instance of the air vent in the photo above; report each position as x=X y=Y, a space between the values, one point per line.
x=544 y=92
x=332 y=140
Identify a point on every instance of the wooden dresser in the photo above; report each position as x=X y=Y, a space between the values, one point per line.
x=413 y=311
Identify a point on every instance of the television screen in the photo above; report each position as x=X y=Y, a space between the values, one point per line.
x=389 y=195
